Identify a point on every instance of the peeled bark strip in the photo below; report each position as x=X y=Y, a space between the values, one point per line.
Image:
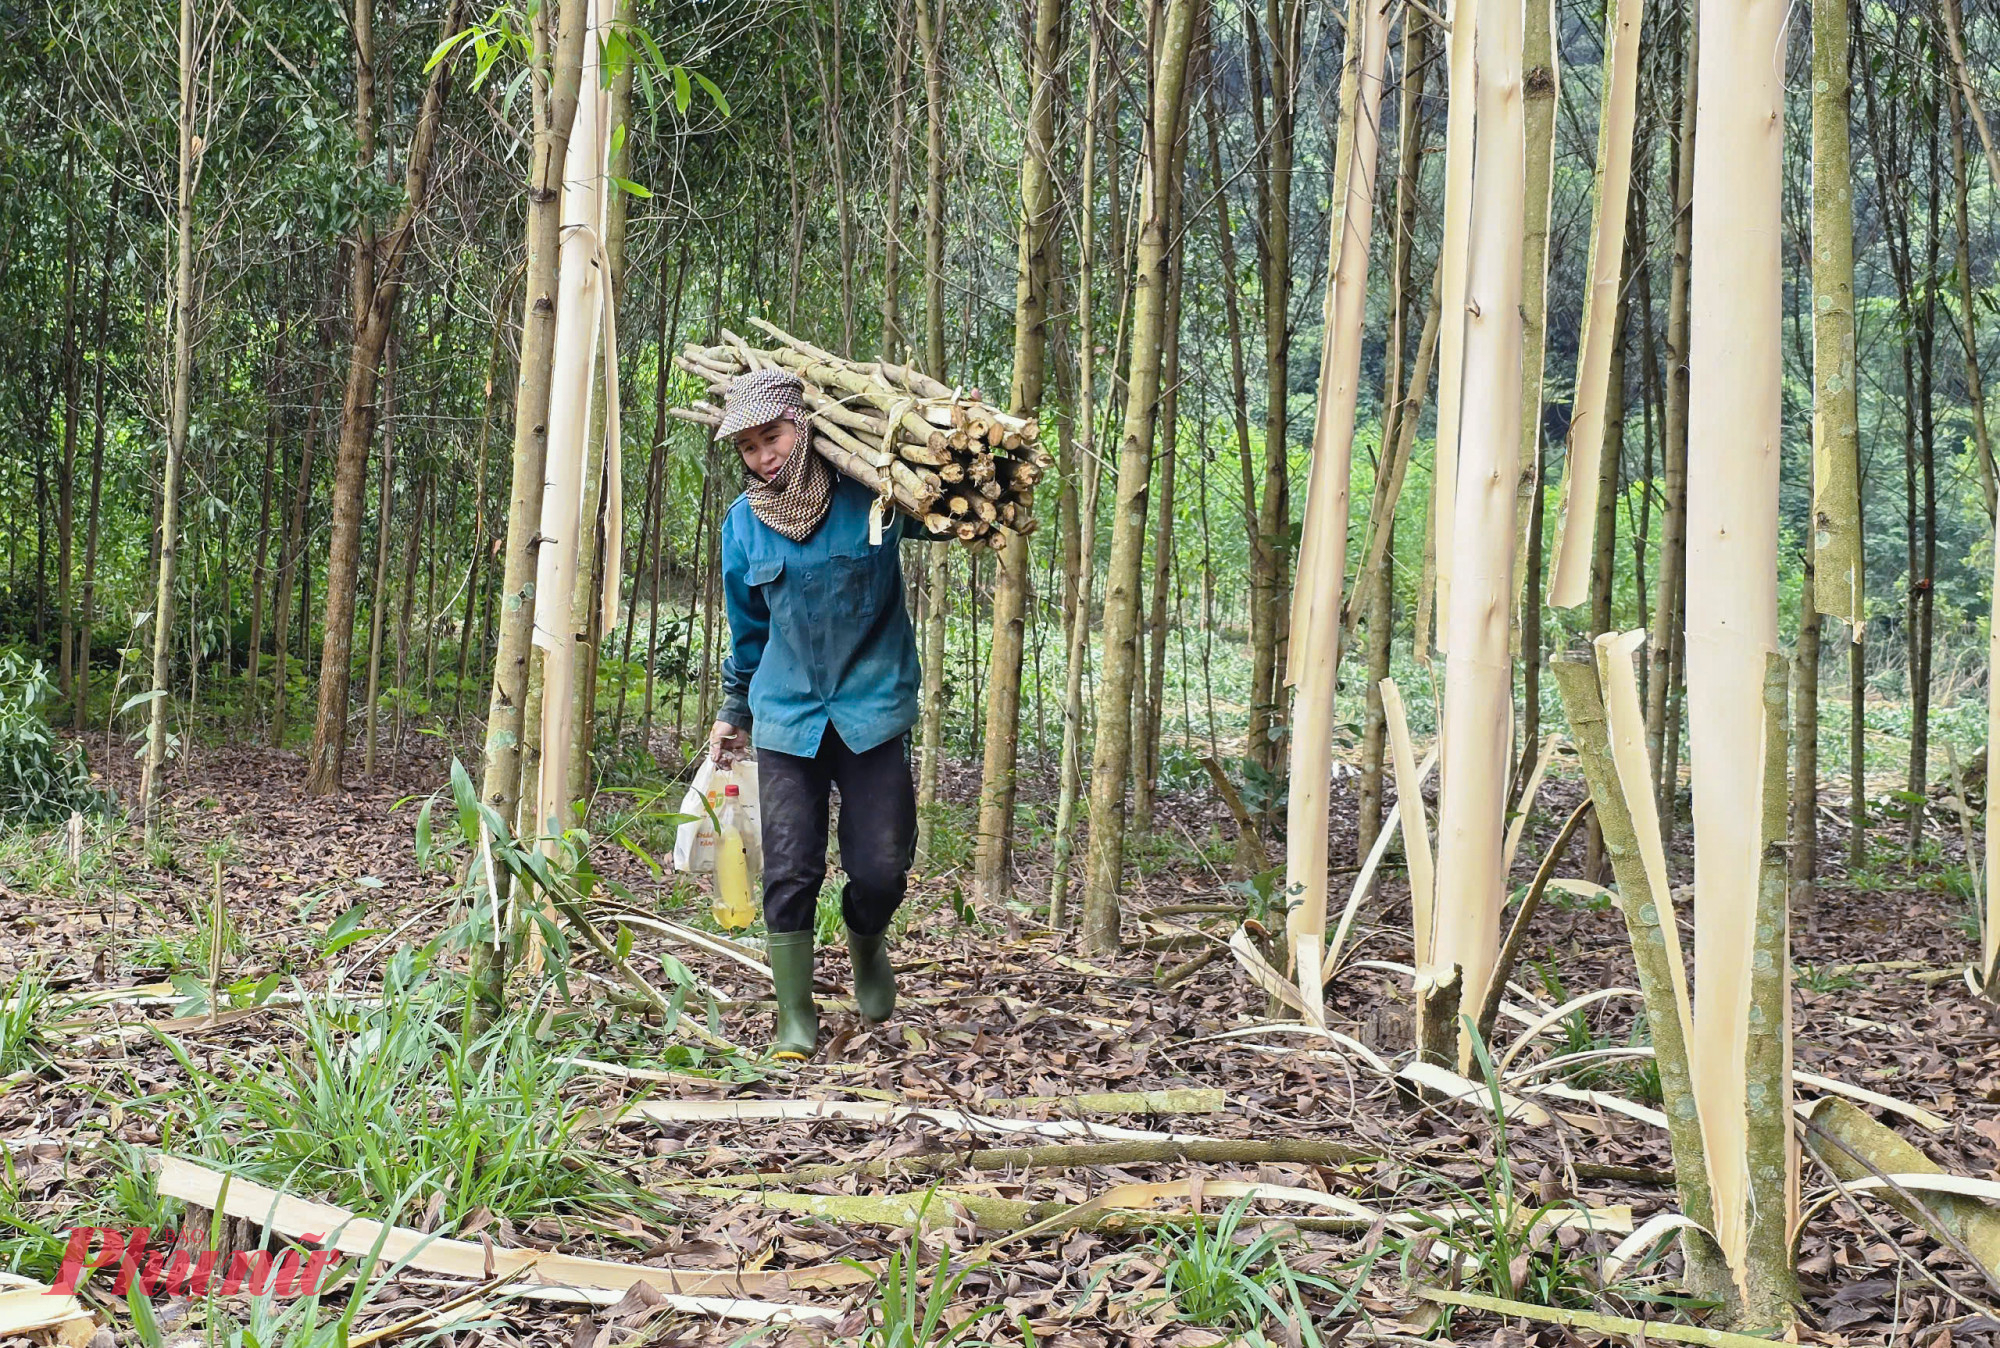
x=1735 y=370
x=1479 y=685
x=1648 y=910
x=1569 y=575
x=1323 y=562
x=1847 y=1140
x=1837 y=542
x=1416 y=828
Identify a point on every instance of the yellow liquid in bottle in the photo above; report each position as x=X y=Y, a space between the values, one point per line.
x=733 y=908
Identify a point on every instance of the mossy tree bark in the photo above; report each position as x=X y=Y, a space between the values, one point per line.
x=1662 y=980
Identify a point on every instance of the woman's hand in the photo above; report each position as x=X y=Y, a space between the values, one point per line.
x=725 y=742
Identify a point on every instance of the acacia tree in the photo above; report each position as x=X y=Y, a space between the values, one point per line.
x=1279 y=81
x=191 y=57
x=377 y=286
x=1111 y=758
x=930 y=42
x=1741 y=1008
x=557 y=73
x=992 y=862
x=1478 y=695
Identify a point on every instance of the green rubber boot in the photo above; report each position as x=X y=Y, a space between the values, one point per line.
x=874 y=977
x=797 y=1034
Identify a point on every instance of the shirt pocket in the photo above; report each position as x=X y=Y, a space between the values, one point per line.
x=763 y=571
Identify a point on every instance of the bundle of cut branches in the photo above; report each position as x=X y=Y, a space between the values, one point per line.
x=958 y=467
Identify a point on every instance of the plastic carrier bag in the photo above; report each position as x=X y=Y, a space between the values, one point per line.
x=694 y=843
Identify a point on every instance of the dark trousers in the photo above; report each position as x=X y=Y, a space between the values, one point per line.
x=878 y=831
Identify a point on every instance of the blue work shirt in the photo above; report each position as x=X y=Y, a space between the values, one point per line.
x=818 y=630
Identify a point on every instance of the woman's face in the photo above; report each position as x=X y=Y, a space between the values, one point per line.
x=765 y=448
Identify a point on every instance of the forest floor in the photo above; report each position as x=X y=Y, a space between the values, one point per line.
x=583 y=1126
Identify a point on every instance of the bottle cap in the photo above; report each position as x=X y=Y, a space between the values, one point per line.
x=730 y=790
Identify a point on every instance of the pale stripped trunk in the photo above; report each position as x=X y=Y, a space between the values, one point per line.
x=1735 y=365
x=1478 y=699
x=1323 y=559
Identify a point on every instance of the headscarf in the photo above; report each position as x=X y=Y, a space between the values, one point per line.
x=797 y=496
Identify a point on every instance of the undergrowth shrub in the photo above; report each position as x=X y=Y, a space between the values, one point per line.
x=41 y=778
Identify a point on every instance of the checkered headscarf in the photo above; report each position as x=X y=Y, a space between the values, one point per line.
x=795 y=500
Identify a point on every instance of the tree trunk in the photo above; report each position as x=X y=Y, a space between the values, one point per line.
x=1478 y=696
x=1610 y=459
x=406 y=610
x=1077 y=628
x=1377 y=581
x=600 y=560
x=992 y=870
x=1453 y=253
x=1151 y=698
x=294 y=557
x=1112 y=754
x=1804 y=824
x=259 y=573
x=66 y=477
x=892 y=204
x=1539 y=91
x=1735 y=373
x=1924 y=581
x=1600 y=348
x=81 y=699
x=500 y=784
x=1274 y=256
x=1669 y=623
x=1322 y=573
x=575 y=463
x=930 y=41
x=476 y=569
x=182 y=302
x=378 y=600
x=1835 y=560
x=377 y=291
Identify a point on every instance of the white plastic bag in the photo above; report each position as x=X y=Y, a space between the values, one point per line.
x=694 y=843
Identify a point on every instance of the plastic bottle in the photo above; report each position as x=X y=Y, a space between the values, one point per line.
x=733 y=908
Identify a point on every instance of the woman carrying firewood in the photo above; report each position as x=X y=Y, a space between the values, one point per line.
x=822 y=678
